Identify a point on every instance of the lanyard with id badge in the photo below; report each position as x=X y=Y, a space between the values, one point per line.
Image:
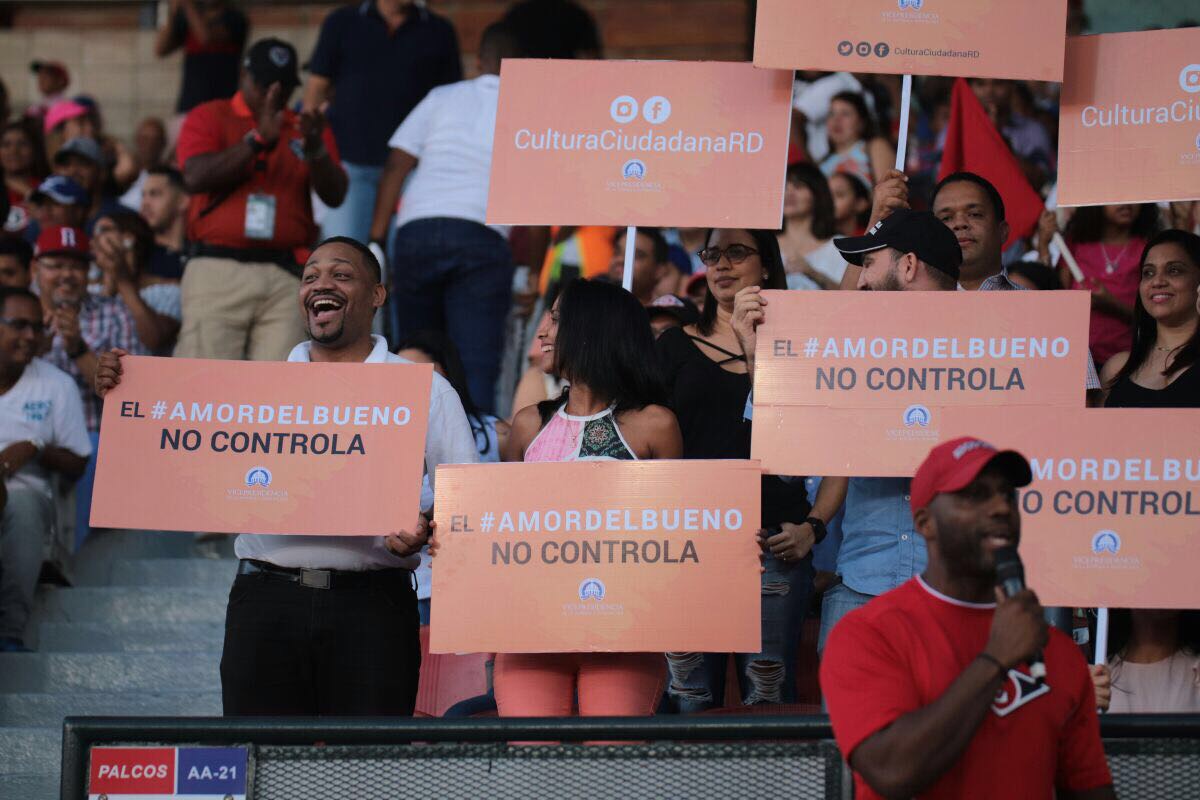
x=260 y=216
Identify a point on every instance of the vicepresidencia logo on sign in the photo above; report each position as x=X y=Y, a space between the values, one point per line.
x=258 y=476
x=1106 y=542
x=916 y=415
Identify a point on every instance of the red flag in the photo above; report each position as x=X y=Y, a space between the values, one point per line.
x=974 y=145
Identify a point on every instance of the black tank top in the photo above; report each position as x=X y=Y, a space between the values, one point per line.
x=1183 y=392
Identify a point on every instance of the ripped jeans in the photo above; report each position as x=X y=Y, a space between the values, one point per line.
x=697 y=680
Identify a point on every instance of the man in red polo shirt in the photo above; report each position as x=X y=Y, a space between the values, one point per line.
x=250 y=165
x=929 y=687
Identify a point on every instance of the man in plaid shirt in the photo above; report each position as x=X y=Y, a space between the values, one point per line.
x=82 y=325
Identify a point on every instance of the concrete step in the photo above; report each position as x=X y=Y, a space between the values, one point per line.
x=29 y=787
x=128 y=637
x=111 y=545
x=198 y=573
x=115 y=672
x=30 y=751
x=27 y=709
x=124 y=604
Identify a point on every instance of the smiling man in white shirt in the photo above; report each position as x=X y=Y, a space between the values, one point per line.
x=327 y=625
x=41 y=431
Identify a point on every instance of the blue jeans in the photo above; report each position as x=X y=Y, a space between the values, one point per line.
x=83 y=493
x=835 y=604
x=353 y=217
x=768 y=676
x=455 y=276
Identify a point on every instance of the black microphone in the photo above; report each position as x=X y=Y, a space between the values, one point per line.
x=1010 y=577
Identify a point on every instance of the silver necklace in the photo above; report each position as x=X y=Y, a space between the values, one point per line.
x=1110 y=264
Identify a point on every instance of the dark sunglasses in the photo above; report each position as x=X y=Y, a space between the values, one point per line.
x=736 y=253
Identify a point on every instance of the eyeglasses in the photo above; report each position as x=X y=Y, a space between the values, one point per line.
x=22 y=325
x=736 y=253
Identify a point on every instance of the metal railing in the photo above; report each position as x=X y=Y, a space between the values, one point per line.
x=718 y=756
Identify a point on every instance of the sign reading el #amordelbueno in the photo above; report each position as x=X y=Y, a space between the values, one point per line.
x=261 y=447
x=866 y=383
x=597 y=556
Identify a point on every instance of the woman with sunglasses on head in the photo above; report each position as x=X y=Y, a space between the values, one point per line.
x=709 y=383
x=598 y=338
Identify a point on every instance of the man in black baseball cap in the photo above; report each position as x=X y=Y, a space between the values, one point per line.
x=251 y=166
x=908 y=250
x=271 y=61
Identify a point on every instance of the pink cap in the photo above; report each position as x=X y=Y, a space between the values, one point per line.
x=61 y=112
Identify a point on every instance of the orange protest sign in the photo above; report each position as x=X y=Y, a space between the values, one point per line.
x=1020 y=39
x=639 y=143
x=597 y=556
x=865 y=383
x=1129 y=123
x=1112 y=517
x=255 y=447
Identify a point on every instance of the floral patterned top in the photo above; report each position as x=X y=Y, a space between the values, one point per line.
x=570 y=438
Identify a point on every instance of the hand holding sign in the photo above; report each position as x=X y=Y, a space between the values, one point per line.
x=108 y=371
x=404 y=544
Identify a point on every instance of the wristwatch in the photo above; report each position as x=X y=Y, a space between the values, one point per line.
x=819 y=529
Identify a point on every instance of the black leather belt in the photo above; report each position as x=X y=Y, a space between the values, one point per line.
x=319 y=578
x=253 y=255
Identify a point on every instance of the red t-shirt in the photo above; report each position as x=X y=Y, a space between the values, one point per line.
x=280 y=172
x=902 y=651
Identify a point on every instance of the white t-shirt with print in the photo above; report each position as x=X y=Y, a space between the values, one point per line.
x=44 y=404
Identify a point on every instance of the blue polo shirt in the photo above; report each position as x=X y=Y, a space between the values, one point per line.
x=379 y=77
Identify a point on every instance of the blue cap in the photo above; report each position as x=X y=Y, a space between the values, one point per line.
x=84 y=147
x=62 y=190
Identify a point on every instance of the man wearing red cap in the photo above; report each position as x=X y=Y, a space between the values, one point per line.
x=929 y=687
x=82 y=325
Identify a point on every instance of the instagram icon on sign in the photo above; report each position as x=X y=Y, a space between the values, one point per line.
x=1189 y=78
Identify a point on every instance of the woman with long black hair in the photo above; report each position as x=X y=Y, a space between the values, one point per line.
x=806 y=241
x=1159 y=369
x=598 y=338
x=708 y=377
x=1106 y=242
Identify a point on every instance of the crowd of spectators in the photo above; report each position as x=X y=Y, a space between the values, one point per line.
x=192 y=239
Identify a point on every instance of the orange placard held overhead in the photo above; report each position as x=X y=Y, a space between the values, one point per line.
x=1021 y=39
x=258 y=447
x=1112 y=518
x=639 y=143
x=1129 y=122
x=865 y=383
x=597 y=556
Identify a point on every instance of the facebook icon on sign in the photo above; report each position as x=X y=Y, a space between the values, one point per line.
x=656 y=110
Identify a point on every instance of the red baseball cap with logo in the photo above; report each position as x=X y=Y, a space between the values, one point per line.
x=61 y=240
x=952 y=465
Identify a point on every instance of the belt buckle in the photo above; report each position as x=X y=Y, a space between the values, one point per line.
x=315 y=578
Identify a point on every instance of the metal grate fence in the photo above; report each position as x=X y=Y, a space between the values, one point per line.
x=700 y=757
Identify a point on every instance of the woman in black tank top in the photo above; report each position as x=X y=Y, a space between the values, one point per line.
x=1160 y=370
